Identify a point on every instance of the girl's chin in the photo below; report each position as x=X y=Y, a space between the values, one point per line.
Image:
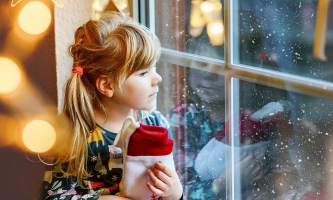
x=148 y=107
x=212 y=98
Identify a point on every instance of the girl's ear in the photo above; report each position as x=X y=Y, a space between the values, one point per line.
x=104 y=86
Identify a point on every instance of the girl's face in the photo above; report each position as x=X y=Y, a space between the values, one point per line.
x=208 y=86
x=140 y=89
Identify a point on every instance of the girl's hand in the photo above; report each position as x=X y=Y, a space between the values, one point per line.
x=250 y=171
x=250 y=168
x=164 y=182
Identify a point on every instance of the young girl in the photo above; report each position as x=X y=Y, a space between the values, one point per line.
x=113 y=78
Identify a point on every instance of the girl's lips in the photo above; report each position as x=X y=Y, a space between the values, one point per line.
x=209 y=88
x=153 y=95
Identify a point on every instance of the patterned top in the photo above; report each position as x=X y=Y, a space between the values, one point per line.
x=104 y=165
x=192 y=129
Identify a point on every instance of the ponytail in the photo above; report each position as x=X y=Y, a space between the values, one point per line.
x=78 y=107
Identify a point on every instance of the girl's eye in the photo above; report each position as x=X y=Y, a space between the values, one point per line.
x=144 y=73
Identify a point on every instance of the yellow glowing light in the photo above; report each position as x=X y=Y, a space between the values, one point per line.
x=215 y=31
x=39 y=136
x=57 y=2
x=98 y=7
x=35 y=17
x=216 y=28
x=197 y=21
x=8 y=130
x=120 y=4
x=217 y=6
x=206 y=6
x=195 y=2
x=10 y=76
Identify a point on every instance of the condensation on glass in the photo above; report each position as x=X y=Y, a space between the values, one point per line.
x=172 y=26
x=280 y=140
x=193 y=102
x=287 y=36
x=291 y=135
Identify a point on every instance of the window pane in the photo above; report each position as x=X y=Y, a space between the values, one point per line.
x=286 y=35
x=183 y=25
x=288 y=137
x=193 y=101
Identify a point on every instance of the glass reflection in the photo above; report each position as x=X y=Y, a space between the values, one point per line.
x=266 y=122
x=194 y=120
x=180 y=24
x=280 y=35
x=299 y=152
x=283 y=147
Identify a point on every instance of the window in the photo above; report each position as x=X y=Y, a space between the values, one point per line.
x=252 y=116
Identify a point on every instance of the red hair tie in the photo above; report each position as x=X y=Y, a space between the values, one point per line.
x=78 y=70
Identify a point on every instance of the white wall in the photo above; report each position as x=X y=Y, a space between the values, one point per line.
x=73 y=14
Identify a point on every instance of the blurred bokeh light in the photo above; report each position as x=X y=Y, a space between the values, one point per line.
x=35 y=17
x=8 y=131
x=39 y=136
x=206 y=6
x=10 y=76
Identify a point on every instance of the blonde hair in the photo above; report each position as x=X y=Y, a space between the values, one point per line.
x=115 y=46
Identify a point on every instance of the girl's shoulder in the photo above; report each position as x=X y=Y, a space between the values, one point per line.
x=154 y=118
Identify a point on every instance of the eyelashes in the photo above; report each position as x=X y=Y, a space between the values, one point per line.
x=144 y=73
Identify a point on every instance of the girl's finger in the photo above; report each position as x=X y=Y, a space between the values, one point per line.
x=155 y=181
x=163 y=168
x=153 y=189
x=247 y=160
x=257 y=177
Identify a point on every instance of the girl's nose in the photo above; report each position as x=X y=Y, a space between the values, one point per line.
x=210 y=76
x=156 y=79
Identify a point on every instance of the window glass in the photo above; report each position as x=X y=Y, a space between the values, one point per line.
x=289 y=136
x=193 y=101
x=286 y=35
x=275 y=143
x=176 y=31
x=281 y=140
